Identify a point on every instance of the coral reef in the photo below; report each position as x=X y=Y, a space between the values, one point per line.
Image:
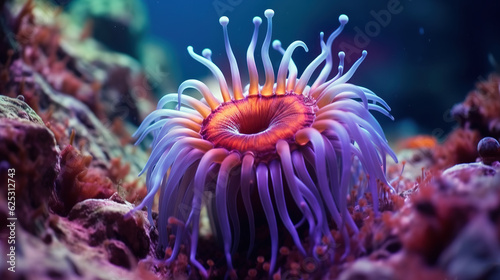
x=58 y=138
x=68 y=105
x=448 y=228
x=109 y=84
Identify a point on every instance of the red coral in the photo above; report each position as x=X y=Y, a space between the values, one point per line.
x=481 y=108
x=40 y=48
x=117 y=171
x=77 y=181
x=459 y=147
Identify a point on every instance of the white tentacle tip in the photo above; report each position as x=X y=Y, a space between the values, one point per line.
x=341 y=55
x=277 y=44
x=207 y=53
x=190 y=49
x=364 y=53
x=224 y=20
x=269 y=13
x=257 y=21
x=343 y=19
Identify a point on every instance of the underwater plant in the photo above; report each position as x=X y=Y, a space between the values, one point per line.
x=290 y=142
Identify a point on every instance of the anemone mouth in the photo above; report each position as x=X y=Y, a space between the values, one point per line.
x=256 y=123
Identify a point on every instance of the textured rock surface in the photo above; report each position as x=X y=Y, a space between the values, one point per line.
x=447 y=227
x=29 y=148
x=81 y=91
x=474 y=179
x=107 y=220
x=69 y=148
x=475 y=253
x=17 y=109
x=64 y=248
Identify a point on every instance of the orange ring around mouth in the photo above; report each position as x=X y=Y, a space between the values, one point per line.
x=256 y=123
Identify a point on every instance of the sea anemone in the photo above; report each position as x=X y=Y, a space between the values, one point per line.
x=292 y=144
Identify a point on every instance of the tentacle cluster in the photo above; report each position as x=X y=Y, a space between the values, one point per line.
x=186 y=162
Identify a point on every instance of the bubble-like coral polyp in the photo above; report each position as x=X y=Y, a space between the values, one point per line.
x=285 y=136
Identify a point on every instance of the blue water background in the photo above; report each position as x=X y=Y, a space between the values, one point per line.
x=425 y=59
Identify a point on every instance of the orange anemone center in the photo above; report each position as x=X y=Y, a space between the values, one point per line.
x=256 y=123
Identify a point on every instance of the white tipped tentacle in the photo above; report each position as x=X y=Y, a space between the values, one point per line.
x=323 y=75
x=252 y=68
x=320 y=88
x=207 y=53
x=215 y=71
x=304 y=79
x=235 y=72
x=292 y=68
x=164 y=114
x=281 y=79
x=267 y=90
x=345 y=78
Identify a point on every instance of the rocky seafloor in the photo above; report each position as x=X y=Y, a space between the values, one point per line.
x=68 y=104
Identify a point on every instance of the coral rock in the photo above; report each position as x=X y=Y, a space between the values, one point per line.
x=475 y=253
x=474 y=179
x=119 y=254
x=106 y=219
x=17 y=109
x=364 y=269
x=28 y=148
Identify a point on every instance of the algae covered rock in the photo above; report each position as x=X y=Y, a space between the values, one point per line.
x=107 y=220
x=28 y=151
x=17 y=109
